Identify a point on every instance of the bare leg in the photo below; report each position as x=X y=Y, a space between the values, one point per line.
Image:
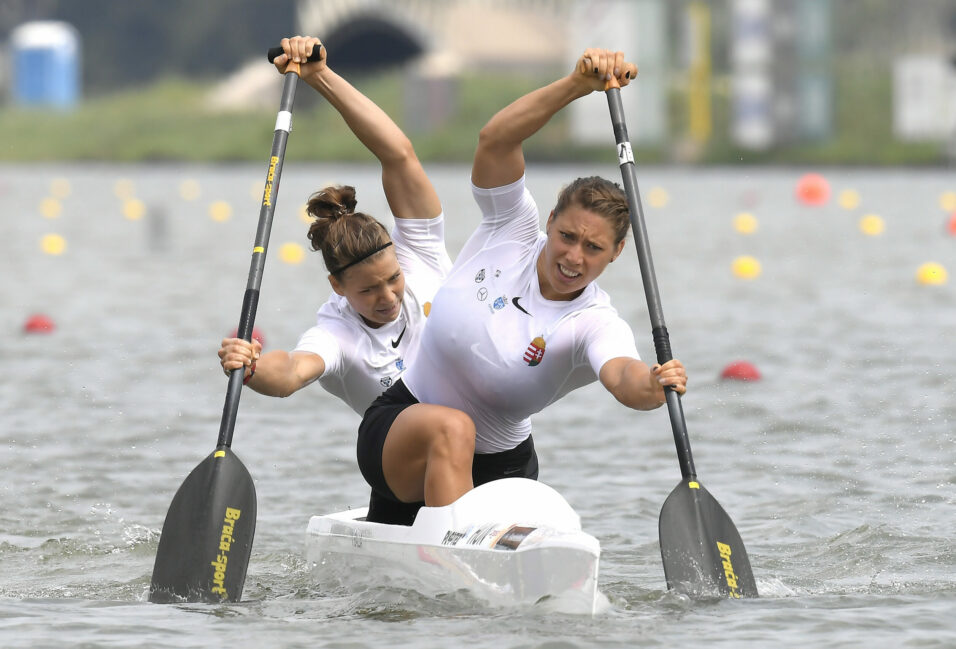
x=427 y=454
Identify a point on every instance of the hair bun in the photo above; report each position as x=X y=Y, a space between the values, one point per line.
x=333 y=203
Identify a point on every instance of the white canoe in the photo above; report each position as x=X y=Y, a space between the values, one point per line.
x=509 y=542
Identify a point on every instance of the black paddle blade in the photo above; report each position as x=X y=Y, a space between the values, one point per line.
x=204 y=550
x=702 y=551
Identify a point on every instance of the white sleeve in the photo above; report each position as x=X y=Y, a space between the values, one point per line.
x=317 y=340
x=609 y=338
x=420 y=245
x=508 y=213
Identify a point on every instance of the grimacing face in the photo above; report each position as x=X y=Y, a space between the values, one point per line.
x=580 y=245
x=375 y=288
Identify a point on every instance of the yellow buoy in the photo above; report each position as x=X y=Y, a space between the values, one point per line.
x=746 y=267
x=50 y=208
x=745 y=223
x=291 y=253
x=60 y=188
x=931 y=273
x=220 y=211
x=947 y=201
x=871 y=225
x=189 y=190
x=53 y=244
x=134 y=209
x=849 y=199
x=123 y=189
x=658 y=197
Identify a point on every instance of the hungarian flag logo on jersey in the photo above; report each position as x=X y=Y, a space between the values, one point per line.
x=535 y=352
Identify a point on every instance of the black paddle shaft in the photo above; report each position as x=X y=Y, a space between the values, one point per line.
x=204 y=549
x=250 y=299
x=662 y=343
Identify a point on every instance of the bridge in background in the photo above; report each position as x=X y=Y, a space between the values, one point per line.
x=434 y=42
x=443 y=36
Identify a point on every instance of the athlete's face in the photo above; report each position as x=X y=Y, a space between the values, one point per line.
x=580 y=245
x=374 y=288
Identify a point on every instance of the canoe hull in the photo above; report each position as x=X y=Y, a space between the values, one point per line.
x=510 y=542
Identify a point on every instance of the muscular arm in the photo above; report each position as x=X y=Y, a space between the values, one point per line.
x=278 y=373
x=499 y=158
x=638 y=386
x=409 y=192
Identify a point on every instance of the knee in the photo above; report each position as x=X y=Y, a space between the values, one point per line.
x=455 y=437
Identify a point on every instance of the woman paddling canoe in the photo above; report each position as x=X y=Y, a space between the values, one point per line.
x=520 y=321
x=369 y=329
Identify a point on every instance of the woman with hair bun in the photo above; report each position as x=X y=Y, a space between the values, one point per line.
x=368 y=331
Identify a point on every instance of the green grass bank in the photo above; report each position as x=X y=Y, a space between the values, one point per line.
x=168 y=121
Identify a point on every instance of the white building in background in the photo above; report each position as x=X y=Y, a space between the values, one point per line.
x=924 y=98
x=781 y=82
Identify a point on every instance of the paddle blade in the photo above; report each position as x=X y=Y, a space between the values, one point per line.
x=701 y=548
x=204 y=550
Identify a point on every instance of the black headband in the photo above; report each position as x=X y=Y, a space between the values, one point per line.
x=362 y=258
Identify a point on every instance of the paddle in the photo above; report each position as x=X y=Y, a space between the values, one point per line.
x=700 y=546
x=204 y=549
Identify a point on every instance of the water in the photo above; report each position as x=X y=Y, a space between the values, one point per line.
x=838 y=467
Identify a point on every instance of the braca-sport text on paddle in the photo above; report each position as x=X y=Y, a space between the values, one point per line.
x=206 y=542
x=701 y=548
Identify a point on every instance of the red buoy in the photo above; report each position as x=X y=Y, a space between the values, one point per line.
x=740 y=371
x=951 y=226
x=256 y=335
x=813 y=189
x=38 y=324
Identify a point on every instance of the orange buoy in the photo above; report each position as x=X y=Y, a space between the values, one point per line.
x=256 y=335
x=740 y=371
x=951 y=226
x=813 y=189
x=38 y=324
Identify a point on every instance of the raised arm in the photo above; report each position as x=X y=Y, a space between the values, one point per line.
x=499 y=158
x=408 y=190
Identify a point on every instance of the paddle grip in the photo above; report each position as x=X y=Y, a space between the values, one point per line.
x=247 y=318
x=276 y=51
x=662 y=344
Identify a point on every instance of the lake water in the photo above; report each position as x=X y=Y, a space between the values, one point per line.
x=838 y=467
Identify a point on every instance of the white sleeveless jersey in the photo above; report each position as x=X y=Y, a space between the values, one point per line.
x=493 y=346
x=361 y=362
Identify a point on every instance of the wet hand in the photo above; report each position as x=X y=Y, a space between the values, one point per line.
x=296 y=51
x=236 y=352
x=671 y=373
x=597 y=67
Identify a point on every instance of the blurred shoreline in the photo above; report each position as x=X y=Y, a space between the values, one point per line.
x=172 y=121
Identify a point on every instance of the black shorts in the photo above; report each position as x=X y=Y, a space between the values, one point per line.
x=384 y=506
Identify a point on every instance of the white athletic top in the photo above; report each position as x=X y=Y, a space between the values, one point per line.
x=493 y=346
x=361 y=362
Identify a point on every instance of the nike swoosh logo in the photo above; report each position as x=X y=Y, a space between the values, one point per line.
x=514 y=301
x=399 y=339
x=474 y=350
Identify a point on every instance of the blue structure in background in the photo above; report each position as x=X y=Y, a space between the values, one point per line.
x=45 y=62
